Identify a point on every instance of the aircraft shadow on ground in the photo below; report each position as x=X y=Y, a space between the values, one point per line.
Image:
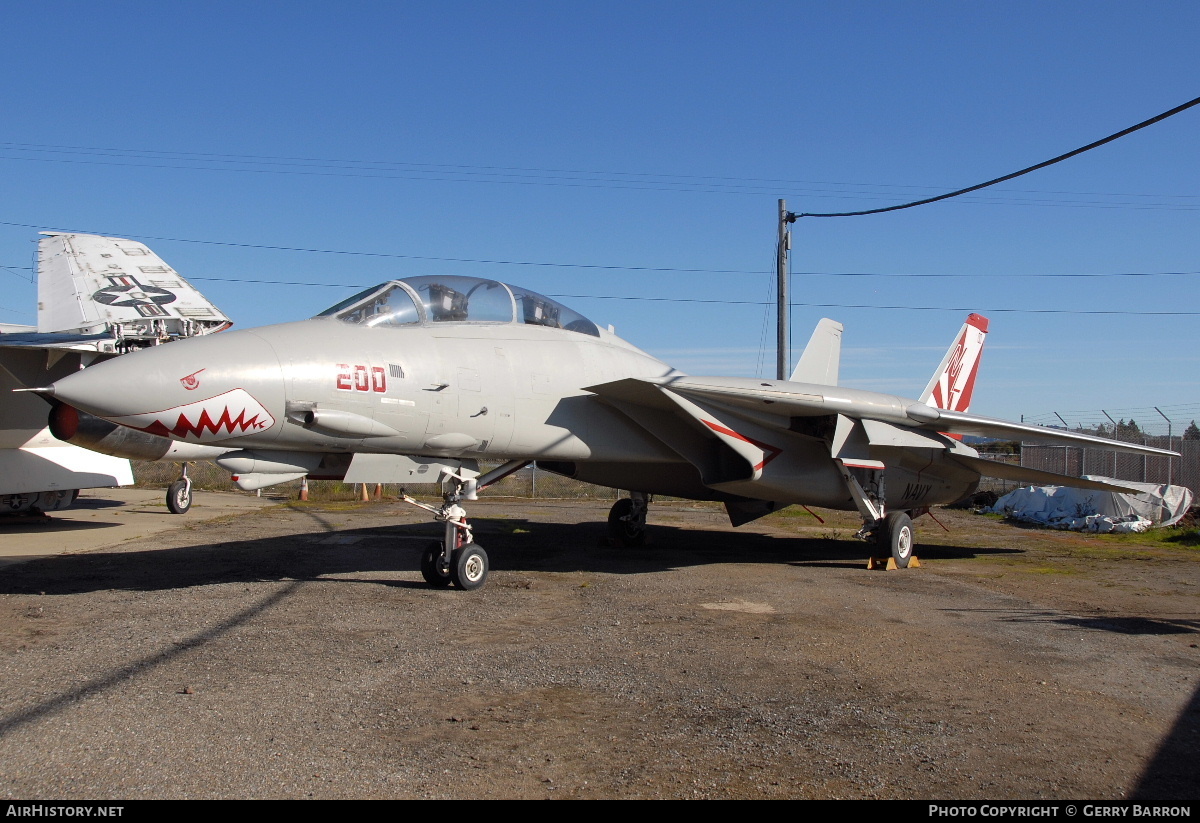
x=36 y=526
x=97 y=503
x=513 y=545
x=1135 y=625
x=1171 y=773
x=123 y=672
x=1132 y=625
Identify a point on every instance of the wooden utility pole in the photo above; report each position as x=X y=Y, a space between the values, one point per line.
x=782 y=338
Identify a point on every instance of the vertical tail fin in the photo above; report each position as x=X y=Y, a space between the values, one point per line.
x=954 y=381
x=88 y=284
x=822 y=356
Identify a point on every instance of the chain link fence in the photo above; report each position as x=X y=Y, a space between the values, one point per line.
x=1162 y=427
x=1179 y=471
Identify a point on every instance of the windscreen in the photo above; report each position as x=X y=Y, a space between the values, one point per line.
x=389 y=305
x=452 y=298
x=538 y=310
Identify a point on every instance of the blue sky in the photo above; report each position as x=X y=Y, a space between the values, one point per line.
x=619 y=138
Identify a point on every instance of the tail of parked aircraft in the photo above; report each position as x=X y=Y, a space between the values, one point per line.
x=97 y=297
x=89 y=284
x=954 y=381
x=821 y=358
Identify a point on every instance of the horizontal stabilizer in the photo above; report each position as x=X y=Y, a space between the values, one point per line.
x=822 y=356
x=1022 y=474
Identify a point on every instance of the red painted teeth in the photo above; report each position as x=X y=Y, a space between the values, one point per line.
x=231 y=414
x=224 y=423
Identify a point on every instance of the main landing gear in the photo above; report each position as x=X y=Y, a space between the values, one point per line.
x=457 y=559
x=890 y=532
x=179 y=493
x=894 y=536
x=627 y=520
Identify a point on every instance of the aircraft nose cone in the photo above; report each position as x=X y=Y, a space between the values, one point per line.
x=202 y=389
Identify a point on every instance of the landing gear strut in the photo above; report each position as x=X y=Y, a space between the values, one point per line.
x=457 y=559
x=891 y=532
x=627 y=520
x=179 y=494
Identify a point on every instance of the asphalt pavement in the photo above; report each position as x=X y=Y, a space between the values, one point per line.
x=106 y=517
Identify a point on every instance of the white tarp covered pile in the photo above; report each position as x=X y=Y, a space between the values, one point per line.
x=1060 y=507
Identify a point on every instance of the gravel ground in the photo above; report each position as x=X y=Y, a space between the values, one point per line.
x=295 y=652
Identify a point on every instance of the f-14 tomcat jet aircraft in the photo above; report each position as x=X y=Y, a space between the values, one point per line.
x=418 y=379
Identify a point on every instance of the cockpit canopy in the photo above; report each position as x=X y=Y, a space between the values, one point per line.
x=456 y=299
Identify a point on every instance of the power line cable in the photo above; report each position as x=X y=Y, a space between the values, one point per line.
x=360 y=286
x=599 y=266
x=531 y=176
x=393 y=255
x=773 y=183
x=1024 y=171
x=886 y=308
x=13 y=270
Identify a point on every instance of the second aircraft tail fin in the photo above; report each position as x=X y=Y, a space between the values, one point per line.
x=954 y=381
x=90 y=284
x=822 y=356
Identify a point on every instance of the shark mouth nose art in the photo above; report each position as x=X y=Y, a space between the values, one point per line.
x=227 y=415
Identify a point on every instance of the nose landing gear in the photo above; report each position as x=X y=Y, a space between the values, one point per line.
x=457 y=559
x=179 y=493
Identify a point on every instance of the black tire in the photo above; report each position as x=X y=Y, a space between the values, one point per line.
x=625 y=532
x=179 y=497
x=469 y=567
x=895 y=536
x=431 y=561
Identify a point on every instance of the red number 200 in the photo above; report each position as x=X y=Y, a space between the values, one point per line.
x=360 y=378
